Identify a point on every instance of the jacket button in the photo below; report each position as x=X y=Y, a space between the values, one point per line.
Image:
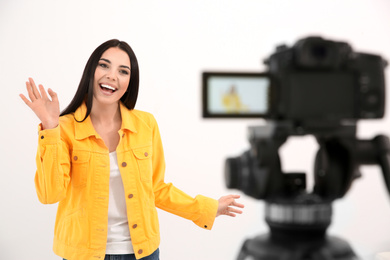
x=146 y=154
x=140 y=251
x=75 y=158
x=130 y=196
x=124 y=164
x=42 y=137
x=205 y=226
x=135 y=226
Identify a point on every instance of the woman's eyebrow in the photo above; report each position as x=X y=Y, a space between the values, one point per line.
x=122 y=66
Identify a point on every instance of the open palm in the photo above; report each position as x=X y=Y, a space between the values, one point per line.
x=46 y=109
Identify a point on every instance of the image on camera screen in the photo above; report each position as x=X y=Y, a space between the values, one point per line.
x=235 y=95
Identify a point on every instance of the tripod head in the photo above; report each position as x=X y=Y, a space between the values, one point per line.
x=257 y=172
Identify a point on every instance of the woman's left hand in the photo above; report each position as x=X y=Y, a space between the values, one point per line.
x=227 y=205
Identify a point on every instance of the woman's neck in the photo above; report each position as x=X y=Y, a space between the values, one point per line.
x=107 y=121
x=105 y=114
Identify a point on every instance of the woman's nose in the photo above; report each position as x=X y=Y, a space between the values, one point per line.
x=111 y=75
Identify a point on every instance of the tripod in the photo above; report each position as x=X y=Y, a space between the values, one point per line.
x=298 y=220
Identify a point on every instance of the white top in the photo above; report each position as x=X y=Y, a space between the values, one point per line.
x=118 y=234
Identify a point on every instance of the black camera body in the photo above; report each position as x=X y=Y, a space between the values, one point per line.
x=319 y=79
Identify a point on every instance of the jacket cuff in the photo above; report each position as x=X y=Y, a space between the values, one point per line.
x=208 y=214
x=48 y=136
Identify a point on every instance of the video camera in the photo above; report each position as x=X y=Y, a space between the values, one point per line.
x=316 y=79
x=316 y=87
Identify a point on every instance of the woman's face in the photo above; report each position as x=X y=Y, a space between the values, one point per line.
x=112 y=76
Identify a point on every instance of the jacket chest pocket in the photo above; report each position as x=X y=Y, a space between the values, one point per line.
x=144 y=161
x=80 y=164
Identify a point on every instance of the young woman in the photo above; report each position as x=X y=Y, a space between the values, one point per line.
x=103 y=161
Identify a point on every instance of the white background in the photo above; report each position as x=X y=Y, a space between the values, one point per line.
x=175 y=40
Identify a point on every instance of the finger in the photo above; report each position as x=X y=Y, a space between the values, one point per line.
x=28 y=102
x=232 y=197
x=30 y=92
x=230 y=214
x=34 y=88
x=236 y=204
x=43 y=92
x=53 y=95
x=229 y=198
x=234 y=210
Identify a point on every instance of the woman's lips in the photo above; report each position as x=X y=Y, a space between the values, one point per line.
x=107 y=89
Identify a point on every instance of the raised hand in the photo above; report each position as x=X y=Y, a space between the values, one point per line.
x=46 y=109
x=227 y=205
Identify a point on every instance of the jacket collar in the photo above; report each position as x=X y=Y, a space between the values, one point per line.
x=128 y=118
x=85 y=129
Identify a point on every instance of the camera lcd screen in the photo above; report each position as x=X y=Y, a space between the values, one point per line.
x=235 y=94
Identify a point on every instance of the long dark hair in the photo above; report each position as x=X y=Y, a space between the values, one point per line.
x=85 y=89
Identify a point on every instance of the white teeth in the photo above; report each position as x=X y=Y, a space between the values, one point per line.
x=107 y=86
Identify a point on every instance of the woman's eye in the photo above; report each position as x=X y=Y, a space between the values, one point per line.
x=103 y=65
x=125 y=72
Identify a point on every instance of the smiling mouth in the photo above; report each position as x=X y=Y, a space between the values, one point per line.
x=107 y=88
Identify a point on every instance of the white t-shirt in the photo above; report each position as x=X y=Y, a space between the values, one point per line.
x=118 y=234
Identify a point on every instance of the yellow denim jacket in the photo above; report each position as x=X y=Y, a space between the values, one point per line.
x=73 y=169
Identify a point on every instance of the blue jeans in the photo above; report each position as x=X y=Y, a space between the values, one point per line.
x=154 y=256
